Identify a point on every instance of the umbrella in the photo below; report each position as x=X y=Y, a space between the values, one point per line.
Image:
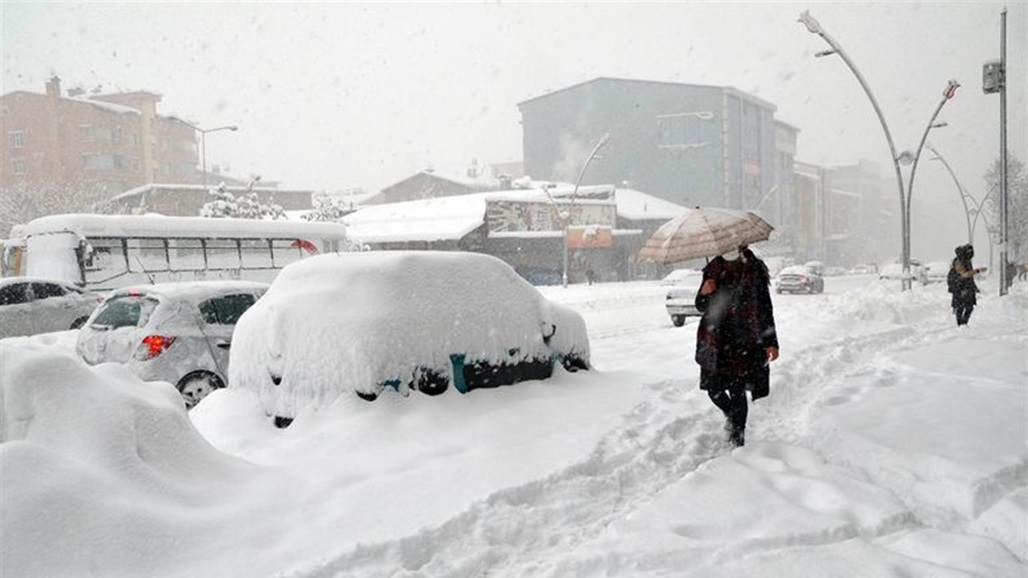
x=704 y=232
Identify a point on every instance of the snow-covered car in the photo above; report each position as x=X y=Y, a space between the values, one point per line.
x=180 y=333
x=894 y=271
x=678 y=276
x=680 y=300
x=31 y=305
x=799 y=279
x=935 y=272
x=362 y=323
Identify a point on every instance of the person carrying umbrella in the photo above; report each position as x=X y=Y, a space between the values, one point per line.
x=736 y=337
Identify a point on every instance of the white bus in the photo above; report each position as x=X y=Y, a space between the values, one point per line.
x=108 y=251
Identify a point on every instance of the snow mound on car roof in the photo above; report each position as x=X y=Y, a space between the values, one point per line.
x=334 y=324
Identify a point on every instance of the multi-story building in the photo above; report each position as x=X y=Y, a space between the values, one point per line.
x=685 y=143
x=116 y=140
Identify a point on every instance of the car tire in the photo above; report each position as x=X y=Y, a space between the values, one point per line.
x=78 y=323
x=196 y=386
x=431 y=382
x=678 y=320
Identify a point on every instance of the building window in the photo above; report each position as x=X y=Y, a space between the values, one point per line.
x=116 y=135
x=96 y=162
x=687 y=130
x=136 y=166
x=86 y=133
x=19 y=166
x=132 y=139
x=16 y=139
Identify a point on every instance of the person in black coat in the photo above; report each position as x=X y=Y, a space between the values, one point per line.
x=962 y=285
x=736 y=337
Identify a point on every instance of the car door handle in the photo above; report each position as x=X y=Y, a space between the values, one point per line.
x=223 y=344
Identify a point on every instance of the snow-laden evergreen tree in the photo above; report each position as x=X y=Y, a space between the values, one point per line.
x=328 y=208
x=225 y=205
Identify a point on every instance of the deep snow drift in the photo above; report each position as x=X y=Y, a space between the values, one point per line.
x=893 y=443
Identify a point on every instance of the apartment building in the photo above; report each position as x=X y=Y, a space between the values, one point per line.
x=115 y=140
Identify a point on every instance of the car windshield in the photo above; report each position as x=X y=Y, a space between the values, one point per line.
x=126 y=311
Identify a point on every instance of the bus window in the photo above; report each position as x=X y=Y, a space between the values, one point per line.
x=186 y=255
x=147 y=255
x=108 y=260
x=222 y=254
x=256 y=253
x=286 y=251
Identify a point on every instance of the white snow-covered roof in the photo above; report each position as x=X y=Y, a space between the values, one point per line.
x=437 y=219
x=639 y=206
x=108 y=106
x=153 y=225
x=451 y=218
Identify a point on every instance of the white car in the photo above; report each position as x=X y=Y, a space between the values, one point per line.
x=799 y=279
x=180 y=333
x=935 y=272
x=680 y=300
x=31 y=305
x=365 y=323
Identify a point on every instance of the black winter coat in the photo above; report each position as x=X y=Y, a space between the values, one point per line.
x=737 y=326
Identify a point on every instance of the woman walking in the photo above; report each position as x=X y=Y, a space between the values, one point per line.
x=736 y=336
x=961 y=283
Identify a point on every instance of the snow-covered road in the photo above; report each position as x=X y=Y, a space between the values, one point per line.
x=893 y=443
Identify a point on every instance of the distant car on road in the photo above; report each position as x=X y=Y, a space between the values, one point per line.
x=799 y=279
x=894 y=271
x=31 y=305
x=677 y=276
x=680 y=301
x=175 y=332
x=935 y=272
x=367 y=323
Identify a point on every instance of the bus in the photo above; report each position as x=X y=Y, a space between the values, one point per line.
x=103 y=252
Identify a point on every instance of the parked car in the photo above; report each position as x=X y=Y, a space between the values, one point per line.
x=799 y=279
x=175 y=332
x=678 y=276
x=367 y=323
x=864 y=269
x=935 y=272
x=680 y=301
x=31 y=305
x=894 y=270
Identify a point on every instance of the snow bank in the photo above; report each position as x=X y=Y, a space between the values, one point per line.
x=101 y=471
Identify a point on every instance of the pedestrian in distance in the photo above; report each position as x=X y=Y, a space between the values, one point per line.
x=961 y=284
x=736 y=338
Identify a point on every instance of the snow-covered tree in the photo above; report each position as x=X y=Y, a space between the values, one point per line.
x=224 y=204
x=1017 y=206
x=329 y=208
x=20 y=203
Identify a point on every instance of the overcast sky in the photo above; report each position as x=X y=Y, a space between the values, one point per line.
x=339 y=95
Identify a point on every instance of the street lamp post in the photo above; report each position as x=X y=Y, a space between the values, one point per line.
x=574 y=195
x=947 y=94
x=814 y=27
x=203 y=142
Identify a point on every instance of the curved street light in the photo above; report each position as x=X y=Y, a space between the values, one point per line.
x=574 y=195
x=976 y=210
x=814 y=27
x=947 y=94
x=203 y=141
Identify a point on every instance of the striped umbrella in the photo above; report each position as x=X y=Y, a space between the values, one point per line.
x=704 y=232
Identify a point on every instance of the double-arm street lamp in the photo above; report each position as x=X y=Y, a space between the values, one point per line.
x=965 y=196
x=203 y=141
x=814 y=27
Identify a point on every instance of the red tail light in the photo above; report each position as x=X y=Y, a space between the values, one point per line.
x=152 y=346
